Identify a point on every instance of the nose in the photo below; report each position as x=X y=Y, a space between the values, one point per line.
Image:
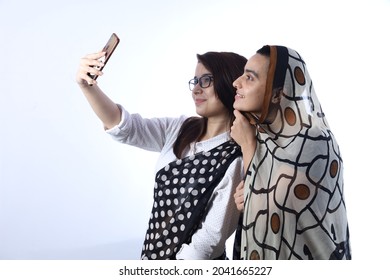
x=236 y=83
x=197 y=89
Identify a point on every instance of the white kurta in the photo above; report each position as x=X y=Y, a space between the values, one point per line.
x=159 y=135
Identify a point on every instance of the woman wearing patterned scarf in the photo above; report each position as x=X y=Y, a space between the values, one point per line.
x=193 y=213
x=292 y=197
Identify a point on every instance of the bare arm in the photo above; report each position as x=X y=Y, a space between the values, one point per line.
x=245 y=135
x=107 y=111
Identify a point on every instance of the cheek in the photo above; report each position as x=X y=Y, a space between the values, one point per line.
x=259 y=99
x=253 y=101
x=254 y=104
x=213 y=102
x=218 y=105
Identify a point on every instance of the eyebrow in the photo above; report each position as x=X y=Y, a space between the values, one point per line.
x=206 y=74
x=252 y=71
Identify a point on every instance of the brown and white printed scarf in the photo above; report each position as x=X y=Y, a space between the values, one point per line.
x=294 y=190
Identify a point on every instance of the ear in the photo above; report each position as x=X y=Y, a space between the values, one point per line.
x=277 y=95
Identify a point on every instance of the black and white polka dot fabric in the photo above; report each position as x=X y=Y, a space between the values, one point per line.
x=182 y=191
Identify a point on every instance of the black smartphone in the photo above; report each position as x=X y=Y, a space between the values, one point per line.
x=109 y=49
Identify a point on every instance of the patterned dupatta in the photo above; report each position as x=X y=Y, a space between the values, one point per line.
x=182 y=191
x=294 y=197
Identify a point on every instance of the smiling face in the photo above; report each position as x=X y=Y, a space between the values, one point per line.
x=206 y=101
x=251 y=85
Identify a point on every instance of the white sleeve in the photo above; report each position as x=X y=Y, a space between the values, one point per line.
x=149 y=134
x=208 y=242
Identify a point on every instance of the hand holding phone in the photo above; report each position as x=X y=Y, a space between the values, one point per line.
x=109 y=48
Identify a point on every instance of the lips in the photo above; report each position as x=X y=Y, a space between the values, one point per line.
x=239 y=96
x=199 y=101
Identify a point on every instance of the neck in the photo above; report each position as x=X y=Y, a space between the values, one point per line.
x=215 y=127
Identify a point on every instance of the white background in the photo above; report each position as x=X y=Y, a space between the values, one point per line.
x=68 y=191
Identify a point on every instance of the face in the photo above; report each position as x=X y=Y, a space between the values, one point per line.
x=206 y=101
x=251 y=85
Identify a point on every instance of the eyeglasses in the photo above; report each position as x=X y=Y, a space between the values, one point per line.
x=204 y=81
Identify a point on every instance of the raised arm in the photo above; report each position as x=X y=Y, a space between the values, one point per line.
x=245 y=135
x=107 y=111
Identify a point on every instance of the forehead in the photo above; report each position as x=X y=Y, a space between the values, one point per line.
x=258 y=63
x=201 y=69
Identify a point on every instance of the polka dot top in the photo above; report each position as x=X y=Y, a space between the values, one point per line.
x=209 y=235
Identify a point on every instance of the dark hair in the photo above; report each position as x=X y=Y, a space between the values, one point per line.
x=225 y=67
x=265 y=50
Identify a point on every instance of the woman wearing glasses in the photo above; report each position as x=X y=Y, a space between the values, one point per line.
x=193 y=213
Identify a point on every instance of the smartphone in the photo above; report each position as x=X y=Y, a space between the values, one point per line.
x=109 y=48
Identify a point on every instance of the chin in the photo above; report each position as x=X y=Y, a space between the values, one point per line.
x=199 y=112
x=239 y=108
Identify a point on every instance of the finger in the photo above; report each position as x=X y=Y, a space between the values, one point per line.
x=240 y=206
x=87 y=73
x=87 y=62
x=240 y=185
x=236 y=113
x=237 y=192
x=239 y=199
x=93 y=71
x=95 y=56
x=90 y=81
x=240 y=116
x=91 y=66
x=95 y=59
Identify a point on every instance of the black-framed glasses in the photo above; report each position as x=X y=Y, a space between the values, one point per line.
x=204 y=81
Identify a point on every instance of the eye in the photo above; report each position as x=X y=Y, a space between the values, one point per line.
x=249 y=77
